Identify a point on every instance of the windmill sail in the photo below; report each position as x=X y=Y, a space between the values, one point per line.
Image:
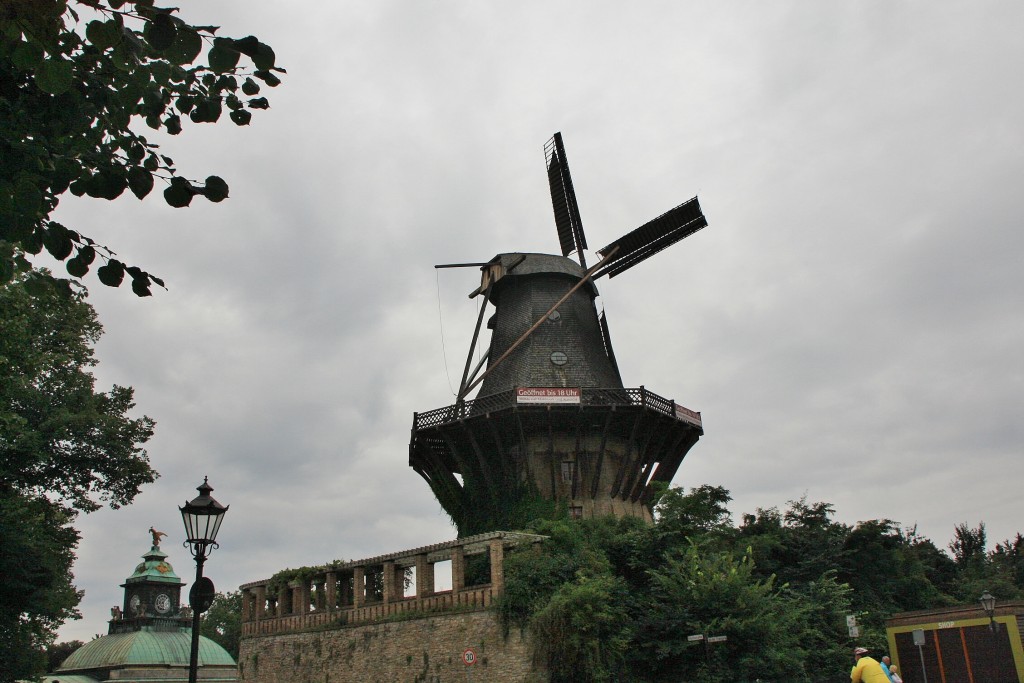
x=652 y=237
x=606 y=337
x=563 y=200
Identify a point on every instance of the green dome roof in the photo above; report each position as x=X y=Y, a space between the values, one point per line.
x=170 y=648
x=155 y=568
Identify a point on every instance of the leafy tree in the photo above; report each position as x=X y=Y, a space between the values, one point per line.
x=59 y=437
x=36 y=594
x=582 y=630
x=58 y=652
x=826 y=602
x=797 y=546
x=64 y=448
x=76 y=76
x=703 y=510
x=717 y=594
x=1008 y=560
x=968 y=546
x=939 y=567
x=222 y=623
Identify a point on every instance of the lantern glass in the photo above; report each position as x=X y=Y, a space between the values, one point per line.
x=988 y=603
x=202 y=516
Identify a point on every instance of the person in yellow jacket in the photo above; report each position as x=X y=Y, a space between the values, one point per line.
x=866 y=669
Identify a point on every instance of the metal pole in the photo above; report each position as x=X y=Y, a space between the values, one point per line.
x=924 y=673
x=193 y=665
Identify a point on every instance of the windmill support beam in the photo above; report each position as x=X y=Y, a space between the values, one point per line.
x=472 y=344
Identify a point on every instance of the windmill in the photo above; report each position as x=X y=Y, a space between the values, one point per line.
x=552 y=422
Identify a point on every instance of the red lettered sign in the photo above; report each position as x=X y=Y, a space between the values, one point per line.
x=548 y=395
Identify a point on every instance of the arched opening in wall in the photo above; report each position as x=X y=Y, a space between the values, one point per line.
x=442 y=576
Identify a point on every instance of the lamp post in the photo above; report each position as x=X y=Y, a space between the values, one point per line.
x=202 y=517
x=988 y=603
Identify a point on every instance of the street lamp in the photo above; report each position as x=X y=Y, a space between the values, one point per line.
x=988 y=603
x=202 y=517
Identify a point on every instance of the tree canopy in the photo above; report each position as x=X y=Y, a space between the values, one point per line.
x=78 y=79
x=64 y=448
x=617 y=600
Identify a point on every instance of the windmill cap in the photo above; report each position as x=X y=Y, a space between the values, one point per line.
x=860 y=651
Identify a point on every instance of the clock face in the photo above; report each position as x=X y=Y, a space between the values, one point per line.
x=163 y=603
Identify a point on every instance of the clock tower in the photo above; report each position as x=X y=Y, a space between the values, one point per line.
x=152 y=597
x=150 y=634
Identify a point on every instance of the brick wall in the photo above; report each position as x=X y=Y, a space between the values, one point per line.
x=426 y=650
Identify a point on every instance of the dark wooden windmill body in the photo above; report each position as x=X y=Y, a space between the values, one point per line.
x=552 y=424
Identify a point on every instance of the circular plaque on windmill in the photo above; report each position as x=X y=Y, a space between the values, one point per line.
x=201 y=595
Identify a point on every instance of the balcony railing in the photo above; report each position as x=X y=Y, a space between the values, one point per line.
x=589 y=397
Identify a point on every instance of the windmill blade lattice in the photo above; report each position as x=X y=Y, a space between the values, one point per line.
x=652 y=237
x=563 y=200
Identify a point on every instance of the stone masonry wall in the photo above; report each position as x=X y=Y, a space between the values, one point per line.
x=425 y=650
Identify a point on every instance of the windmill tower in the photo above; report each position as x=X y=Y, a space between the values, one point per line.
x=553 y=423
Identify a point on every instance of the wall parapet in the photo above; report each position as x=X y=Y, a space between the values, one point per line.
x=373 y=589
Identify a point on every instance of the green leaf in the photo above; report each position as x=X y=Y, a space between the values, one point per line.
x=179 y=193
x=173 y=124
x=76 y=267
x=111 y=274
x=27 y=55
x=185 y=103
x=58 y=242
x=161 y=31
x=187 y=46
x=140 y=181
x=107 y=184
x=259 y=103
x=161 y=71
x=241 y=117
x=6 y=269
x=226 y=82
x=206 y=111
x=250 y=87
x=54 y=75
x=223 y=56
x=264 y=57
x=216 y=189
x=136 y=151
x=140 y=284
x=268 y=78
x=152 y=163
x=27 y=197
x=123 y=57
x=86 y=254
x=248 y=46
x=33 y=244
x=103 y=34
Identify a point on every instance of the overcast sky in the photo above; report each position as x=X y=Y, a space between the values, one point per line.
x=850 y=324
